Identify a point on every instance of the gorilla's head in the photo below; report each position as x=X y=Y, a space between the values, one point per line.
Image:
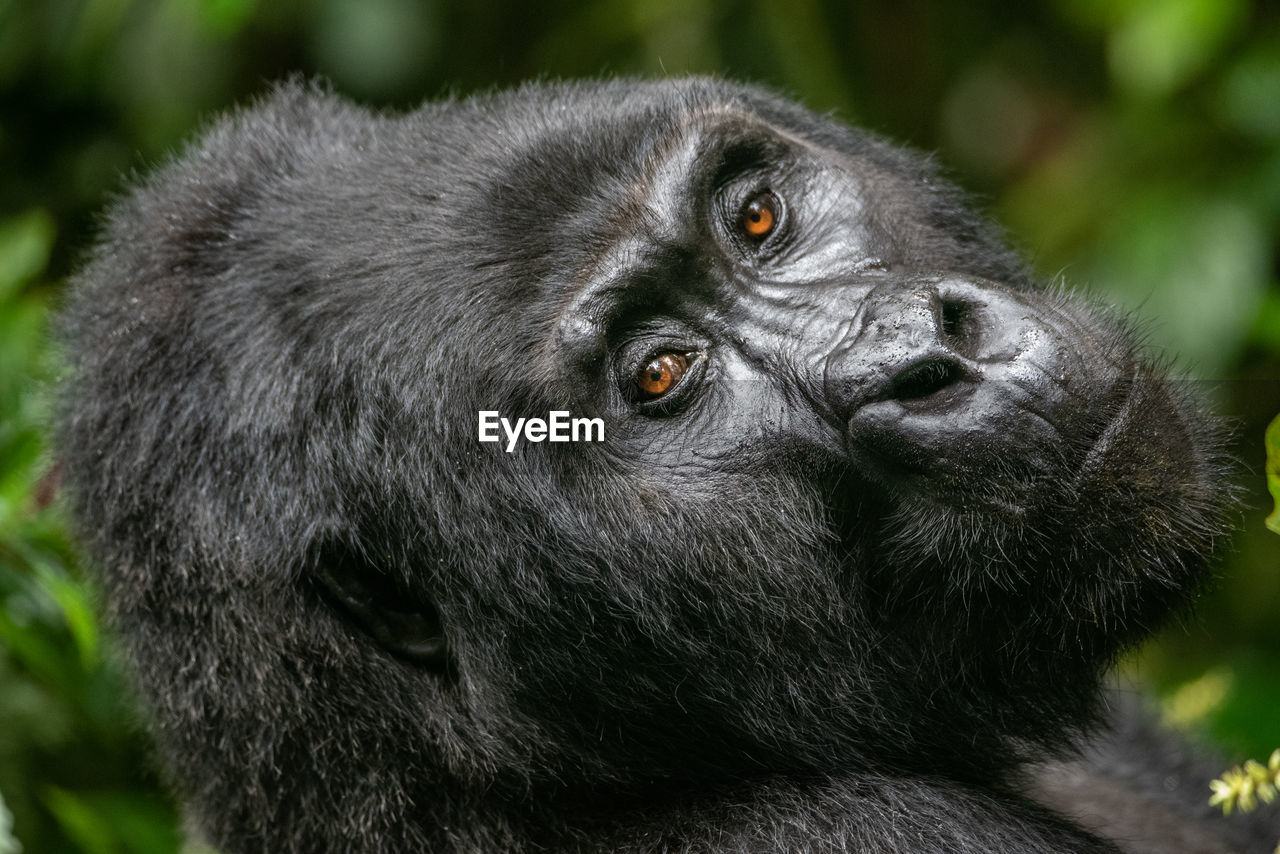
x=868 y=495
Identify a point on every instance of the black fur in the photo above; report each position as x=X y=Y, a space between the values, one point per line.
x=752 y=619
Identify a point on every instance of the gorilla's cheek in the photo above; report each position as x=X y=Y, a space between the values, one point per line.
x=1148 y=449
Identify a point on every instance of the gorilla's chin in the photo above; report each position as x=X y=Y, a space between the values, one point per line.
x=1049 y=562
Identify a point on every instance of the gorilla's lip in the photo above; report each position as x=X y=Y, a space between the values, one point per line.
x=898 y=442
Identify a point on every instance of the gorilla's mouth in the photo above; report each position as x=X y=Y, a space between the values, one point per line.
x=933 y=384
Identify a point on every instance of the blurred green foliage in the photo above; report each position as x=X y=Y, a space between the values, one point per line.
x=72 y=762
x=1273 y=472
x=1131 y=146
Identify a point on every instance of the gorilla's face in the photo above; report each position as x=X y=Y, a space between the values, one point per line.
x=867 y=494
x=863 y=484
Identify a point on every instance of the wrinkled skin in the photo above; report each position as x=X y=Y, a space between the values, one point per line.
x=868 y=557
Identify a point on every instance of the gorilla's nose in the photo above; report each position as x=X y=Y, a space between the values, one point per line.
x=951 y=375
x=912 y=347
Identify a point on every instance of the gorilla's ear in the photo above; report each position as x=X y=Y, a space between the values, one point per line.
x=406 y=625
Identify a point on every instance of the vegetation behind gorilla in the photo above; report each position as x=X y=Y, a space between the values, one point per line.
x=873 y=514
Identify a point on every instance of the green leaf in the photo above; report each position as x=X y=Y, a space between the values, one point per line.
x=1162 y=44
x=113 y=823
x=1273 y=471
x=227 y=17
x=1250 y=90
x=1266 y=325
x=89 y=828
x=72 y=598
x=25 y=242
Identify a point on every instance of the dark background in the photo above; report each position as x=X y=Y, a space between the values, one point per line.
x=1131 y=147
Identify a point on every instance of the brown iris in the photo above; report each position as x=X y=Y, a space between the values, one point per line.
x=661 y=375
x=760 y=216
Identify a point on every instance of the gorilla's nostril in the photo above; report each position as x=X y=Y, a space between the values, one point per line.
x=954 y=326
x=924 y=379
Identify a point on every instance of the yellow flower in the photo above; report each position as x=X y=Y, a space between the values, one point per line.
x=1244 y=786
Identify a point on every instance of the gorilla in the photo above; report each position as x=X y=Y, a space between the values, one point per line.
x=870 y=513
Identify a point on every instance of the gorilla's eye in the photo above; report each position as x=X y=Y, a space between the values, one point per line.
x=661 y=375
x=760 y=216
